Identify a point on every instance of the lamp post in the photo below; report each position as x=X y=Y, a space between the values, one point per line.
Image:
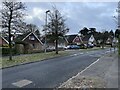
x=46 y=30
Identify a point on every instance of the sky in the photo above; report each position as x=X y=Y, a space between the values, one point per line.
x=78 y=15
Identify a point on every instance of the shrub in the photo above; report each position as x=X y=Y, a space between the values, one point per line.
x=5 y=45
x=5 y=51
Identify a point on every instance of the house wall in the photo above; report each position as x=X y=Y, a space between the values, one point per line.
x=77 y=40
x=92 y=40
x=2 y=41
x=50 y=45
x=35 y=45
x=85 y=42
x=109 y=41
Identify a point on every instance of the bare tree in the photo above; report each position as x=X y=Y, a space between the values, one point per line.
x=33 y=28
x=12 y=15
x=56 y=27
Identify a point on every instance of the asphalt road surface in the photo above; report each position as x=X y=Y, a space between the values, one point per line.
x=49 y=73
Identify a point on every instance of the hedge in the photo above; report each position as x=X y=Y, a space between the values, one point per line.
x=5 y=51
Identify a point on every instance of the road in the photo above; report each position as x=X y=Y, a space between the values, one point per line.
x=49 y=73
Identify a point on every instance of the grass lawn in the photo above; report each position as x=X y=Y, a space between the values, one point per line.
x=5 y=62
x=20 y=59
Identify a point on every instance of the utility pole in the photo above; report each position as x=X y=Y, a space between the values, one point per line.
x=46 y=30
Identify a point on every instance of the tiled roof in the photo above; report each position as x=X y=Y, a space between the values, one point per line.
x=86 y=37
x=49 y=41
x=21 y=37
x=70 y=38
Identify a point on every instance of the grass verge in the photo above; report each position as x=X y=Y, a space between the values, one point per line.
x=21 y=59
x=91 y=49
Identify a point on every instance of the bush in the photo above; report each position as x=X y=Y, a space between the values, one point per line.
x=5 y=45
x=5 y=51
x=19 y=49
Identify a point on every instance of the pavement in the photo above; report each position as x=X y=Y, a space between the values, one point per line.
x=103 y=73
x=50 y=73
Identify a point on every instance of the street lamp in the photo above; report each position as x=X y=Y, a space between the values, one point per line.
x=46 y=30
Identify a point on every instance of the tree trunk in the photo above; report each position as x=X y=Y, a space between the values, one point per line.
x=102 y=46
x=9 y=31
x=56 y=46
x=56 y=33
x=10 y=47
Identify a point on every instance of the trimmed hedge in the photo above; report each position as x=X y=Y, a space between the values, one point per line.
x=5 y=51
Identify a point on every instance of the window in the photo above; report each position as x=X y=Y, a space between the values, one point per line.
x=33 y=45
x=31 y=38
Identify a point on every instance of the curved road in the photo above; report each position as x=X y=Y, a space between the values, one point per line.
x=49 y=73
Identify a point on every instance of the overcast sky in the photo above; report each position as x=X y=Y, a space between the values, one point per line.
x=77 y=14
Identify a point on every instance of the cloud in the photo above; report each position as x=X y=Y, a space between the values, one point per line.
x=70 y=0
x=39 y=13
x=35 y=15
x=29 y=18
x=77 y=14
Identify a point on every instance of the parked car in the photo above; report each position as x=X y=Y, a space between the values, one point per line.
x=72 y=47
x=90 y=45
x=75 y=47
x=66 y=47
x=61 y=47
x=83 y=46
x=50 y=48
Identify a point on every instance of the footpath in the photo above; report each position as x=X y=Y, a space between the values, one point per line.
x=101 y=74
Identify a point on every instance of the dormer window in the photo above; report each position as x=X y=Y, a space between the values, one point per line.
x=31 y=38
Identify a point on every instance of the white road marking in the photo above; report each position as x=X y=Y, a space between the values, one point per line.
x=80 y=72
x=89 y=66
x=96 y=55
x=92 y=55
x=81 y=53
x=74 y=55
x=22 y=83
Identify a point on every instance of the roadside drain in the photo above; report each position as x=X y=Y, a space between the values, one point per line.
x=22 y=83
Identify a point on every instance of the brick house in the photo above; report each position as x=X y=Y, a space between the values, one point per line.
x=109 y=40
x=74 y=39
x=88 y=39
x=3 y=41
x=30 y=42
